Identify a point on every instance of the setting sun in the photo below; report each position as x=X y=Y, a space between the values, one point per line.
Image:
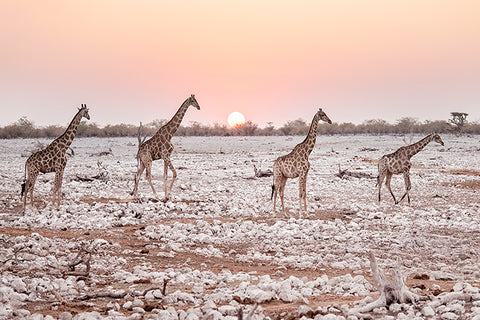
x=236 y=119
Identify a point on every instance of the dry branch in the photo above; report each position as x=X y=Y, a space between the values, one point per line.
x=451 y=296
x=342 y=173
x=119 y=294
x=394 y=292
x=103 y=153
x=259 y=173
x=102 y=174
x=15 y=252
x=83 y=256
x=164 y=289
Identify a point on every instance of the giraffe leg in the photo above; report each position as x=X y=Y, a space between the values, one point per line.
x=275 y=190
x=302 y=180
x=29 y=184
x=165 y=178
x=282 y=192
x=408 y=185
x=381 y=177
x=57 y=186
x=148 y=175
x=387 y=183
x=277 y=181
x=168 y=164
x=138 y=175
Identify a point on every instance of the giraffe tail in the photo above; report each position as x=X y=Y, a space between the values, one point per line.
x=273 y=189
x=24 y=181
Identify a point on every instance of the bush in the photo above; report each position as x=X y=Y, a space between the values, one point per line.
x=24 y=128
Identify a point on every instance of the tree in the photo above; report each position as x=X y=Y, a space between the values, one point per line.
x=294 y=128
x=458 y=120
x=406 y=125
x=248 y=129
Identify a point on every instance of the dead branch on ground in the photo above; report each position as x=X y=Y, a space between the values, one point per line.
x=394 y=292
x=83 y=256
x=259 y=173
x=114 y=294
x=102 y=174
x=345 y=173
x=448 y=297
x=103 y=153
x=16 y=252
x=164 y=290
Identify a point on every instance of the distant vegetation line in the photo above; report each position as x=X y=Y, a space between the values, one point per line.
x=24 y=128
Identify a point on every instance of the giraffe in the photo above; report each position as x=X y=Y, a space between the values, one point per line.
x=399 y=162
x=160 y=147
x=296 y=164
x=52 y=159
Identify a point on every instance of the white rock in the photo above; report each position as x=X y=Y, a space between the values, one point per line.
x=209 y=305
x=128 y=305
x=137 y=303
x=228 y=310
x=428 y=311
x=214 y=315
x=197 y=289
x=115 y=314
x=303 y=309
x=94 y=315
x=138 y=310
x=259 y=295
x=21 y=313
x=449 y=316
x=19 y=286
x=165 y=315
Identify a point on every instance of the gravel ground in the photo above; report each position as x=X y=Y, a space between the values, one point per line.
x=217 y=247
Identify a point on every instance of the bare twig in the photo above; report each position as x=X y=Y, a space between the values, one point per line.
x=84 y=256
x=164 y=290
x=102 y=153
x=342 y=173
x=16 y=252
x=259 y=173
x=120 y=294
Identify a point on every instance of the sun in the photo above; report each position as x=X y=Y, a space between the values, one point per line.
x=236 y=119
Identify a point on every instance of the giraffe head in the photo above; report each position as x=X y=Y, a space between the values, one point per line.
x=83 y=110
x=322 y=116
x=437 y=139
x=193 y=102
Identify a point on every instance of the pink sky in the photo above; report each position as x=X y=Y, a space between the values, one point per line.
x=277 y=61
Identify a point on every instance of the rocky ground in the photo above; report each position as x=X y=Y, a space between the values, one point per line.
x=217 y=247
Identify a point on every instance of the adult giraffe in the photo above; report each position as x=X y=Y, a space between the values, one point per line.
x=52 y=159
x=399 y=162
x=160 y=147
x=296 y=164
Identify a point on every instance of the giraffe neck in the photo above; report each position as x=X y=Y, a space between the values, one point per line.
x=309 y=142
x=65 y=140
x=413 y=149
x=172 y=126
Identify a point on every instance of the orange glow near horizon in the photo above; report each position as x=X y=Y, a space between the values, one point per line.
x=137 y=61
